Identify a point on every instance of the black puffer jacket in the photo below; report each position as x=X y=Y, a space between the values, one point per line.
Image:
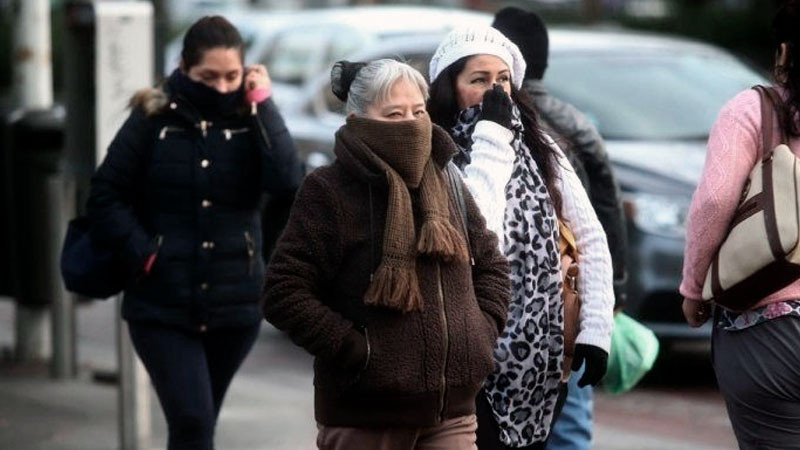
x=190 y=190
x=586 y=152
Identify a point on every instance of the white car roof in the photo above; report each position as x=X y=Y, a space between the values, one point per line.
x=378 y=20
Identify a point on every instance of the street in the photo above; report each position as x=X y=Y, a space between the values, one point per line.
x=270 y=403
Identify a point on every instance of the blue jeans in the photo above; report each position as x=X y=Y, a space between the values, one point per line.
x=573 y=429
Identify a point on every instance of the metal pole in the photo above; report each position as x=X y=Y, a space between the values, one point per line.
x=161 y=30
x=31 y=60
x=134 y=392
x=64 y=364
x=33 y=342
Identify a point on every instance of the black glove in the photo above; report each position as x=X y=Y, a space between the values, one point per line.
x=596 y=361
x=497 y=106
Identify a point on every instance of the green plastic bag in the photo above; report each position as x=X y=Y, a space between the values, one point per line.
x=634 y=349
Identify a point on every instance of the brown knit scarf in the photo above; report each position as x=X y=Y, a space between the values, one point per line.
x=402 y=151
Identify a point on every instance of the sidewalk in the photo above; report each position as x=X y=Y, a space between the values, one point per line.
x=270 y=403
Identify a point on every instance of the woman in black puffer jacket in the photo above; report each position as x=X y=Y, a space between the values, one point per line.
x=179 y=197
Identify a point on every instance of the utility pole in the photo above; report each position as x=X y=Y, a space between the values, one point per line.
x=33 y=90
x=32 y=54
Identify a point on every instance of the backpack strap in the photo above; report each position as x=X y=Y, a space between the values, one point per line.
x=457 y=189
x=769 y=103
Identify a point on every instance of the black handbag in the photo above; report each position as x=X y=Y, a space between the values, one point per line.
x=88 y=268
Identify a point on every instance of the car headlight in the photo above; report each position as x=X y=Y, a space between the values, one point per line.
x=658 y=214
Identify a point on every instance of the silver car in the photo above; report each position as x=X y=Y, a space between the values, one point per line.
x=298 y=45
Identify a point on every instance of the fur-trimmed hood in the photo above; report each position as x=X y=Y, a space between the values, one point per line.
x=151 y=100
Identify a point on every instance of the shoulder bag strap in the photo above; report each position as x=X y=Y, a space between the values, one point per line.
x=777 y=105
x=767 y=132
x=457 y=189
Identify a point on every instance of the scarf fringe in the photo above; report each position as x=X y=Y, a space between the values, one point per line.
x=396 y=288
x=441 y=239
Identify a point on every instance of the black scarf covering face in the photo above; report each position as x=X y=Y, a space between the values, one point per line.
x=209 y=102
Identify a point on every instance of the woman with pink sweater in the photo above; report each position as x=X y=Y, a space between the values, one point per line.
x=755 y=352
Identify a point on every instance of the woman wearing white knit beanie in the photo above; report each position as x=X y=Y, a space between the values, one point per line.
x=524 y=187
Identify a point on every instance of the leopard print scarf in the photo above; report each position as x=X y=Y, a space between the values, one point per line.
x=528 y=355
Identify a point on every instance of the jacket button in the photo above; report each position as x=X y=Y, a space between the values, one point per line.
x=203 y=328
x=206 y=203
x=173 y=105
x=208 y=245
x=204 y=286
x=205 y=163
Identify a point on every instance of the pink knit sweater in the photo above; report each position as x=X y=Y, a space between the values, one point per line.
x=734 y=146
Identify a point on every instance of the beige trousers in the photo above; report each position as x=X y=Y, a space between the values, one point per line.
x=452 y=434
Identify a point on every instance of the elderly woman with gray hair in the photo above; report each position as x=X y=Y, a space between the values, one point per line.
x=391 y=281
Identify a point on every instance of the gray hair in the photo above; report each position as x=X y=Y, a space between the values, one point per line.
x=374 y=82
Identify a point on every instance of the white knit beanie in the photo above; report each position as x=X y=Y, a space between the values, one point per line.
x=478 y=40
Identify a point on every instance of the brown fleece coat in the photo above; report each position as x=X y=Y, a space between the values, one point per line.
x=422 y=366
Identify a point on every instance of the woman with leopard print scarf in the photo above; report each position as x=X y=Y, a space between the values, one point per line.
x=523 y=185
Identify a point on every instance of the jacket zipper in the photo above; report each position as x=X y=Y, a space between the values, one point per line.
x=167 y=129
x=446 y=341
x=229 y=133
x=203 y=126
x=251 y=252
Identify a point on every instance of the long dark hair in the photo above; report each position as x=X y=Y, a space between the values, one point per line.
x=786 y=29
x=207 y=33
x=443 y=109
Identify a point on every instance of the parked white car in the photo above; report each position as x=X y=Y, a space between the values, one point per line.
x=298 y=45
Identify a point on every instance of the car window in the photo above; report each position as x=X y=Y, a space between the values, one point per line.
x=297 y=53
x=342 y=44
x=649 y=97
x=418 y=61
